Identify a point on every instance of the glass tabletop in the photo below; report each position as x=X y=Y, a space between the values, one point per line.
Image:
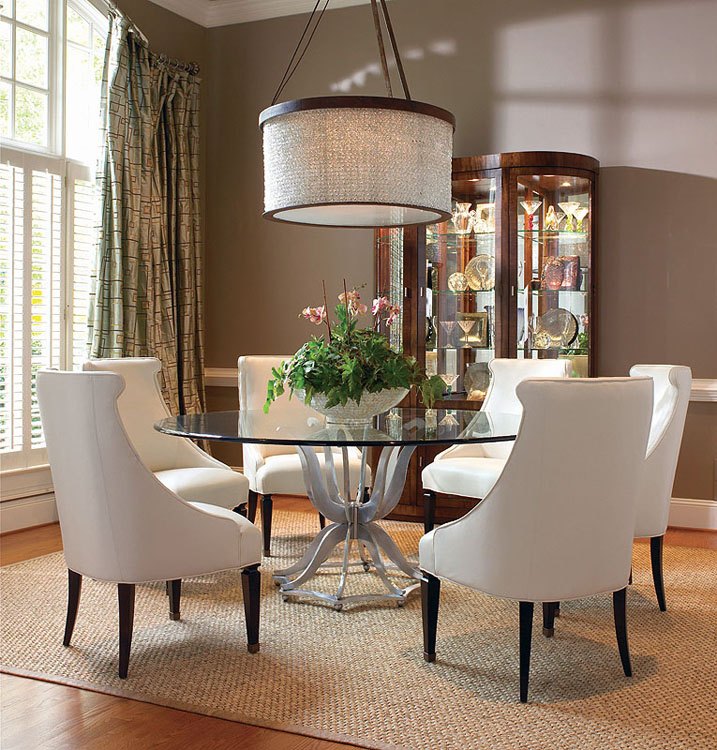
x=398 y=426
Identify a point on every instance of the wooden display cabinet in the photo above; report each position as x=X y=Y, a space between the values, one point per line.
x=512 y=274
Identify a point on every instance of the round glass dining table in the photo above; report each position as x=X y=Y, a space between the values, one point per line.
x=354 y=508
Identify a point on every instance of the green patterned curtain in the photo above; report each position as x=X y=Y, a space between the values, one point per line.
x=148 y=293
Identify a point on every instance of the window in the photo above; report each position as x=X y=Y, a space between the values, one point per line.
x=52 y=54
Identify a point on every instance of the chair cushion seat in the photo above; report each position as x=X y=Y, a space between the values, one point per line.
x=222 y=487
x=283 y=475
x=249 y=550
x=472 y=476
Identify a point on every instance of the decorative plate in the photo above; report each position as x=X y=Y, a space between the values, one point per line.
x=457 y=282
x=561 y=325
x=480 y=273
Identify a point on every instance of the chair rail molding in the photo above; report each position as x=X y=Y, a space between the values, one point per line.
x=212 y=13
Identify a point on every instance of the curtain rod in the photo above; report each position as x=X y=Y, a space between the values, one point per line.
x=112 y=7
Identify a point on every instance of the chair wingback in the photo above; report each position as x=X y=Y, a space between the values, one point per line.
x=672 y=386
x=508 y=373
x=558 y=524
x=254 y=373
x=140 y=405
x=118 y=522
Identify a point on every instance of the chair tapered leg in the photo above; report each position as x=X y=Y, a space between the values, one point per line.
x=549 y=618
x=241 y=510
x=267 y=506
x=175 y=594
x=429 y=510
x=430 y=599
x=526 y=634
x=251 y=506
x=251 y=589
x=656 y=545
x=620 y=612
x=322 y=520
x=74 y=587
x=125 y=597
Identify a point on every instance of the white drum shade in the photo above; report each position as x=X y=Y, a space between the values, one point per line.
x=357 y=162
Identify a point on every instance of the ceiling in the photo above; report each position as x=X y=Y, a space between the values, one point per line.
x=211 y=13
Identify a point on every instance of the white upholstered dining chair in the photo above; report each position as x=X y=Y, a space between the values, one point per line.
x=672 y=385
x=276 y=469
x=179 y=464
x=118 y=522
x=577 y=465
x=471 y=470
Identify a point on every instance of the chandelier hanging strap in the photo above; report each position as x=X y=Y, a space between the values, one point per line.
x=392 y=37
x=289 y=72
x=381 y=48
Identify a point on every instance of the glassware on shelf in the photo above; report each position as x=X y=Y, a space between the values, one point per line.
x=480 y=273
x=569 y=207
x=467 y=327
x=553 y=219
x=580 y=213
x=484 y=218
x=462 y=219
x=530 y=207
x=449 y=420
x=449 y=379
x=457 y=282
x=448 y=326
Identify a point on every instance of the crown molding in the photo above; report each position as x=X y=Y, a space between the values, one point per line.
x=213 y=13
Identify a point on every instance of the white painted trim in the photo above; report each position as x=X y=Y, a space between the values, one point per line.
x=693 y=513
x=227 y=377
x=213 y=13
x=703 y=390
x=18 y=483
x=27 y=512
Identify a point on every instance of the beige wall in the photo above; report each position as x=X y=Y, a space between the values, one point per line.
x=631 y=82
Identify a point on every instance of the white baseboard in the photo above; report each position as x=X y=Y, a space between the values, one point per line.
x=26 y=512
x=36 y=511
x=693 y=514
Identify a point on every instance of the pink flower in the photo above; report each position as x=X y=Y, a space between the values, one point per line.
x=379 y=305
x=352 y=300
x=316 y=315
x=393 y=312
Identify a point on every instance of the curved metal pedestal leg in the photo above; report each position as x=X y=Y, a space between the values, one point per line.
x=353 y=516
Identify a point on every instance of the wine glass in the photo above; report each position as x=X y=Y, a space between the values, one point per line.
x=467 y=326
x=462 y=219
x=580 y=213
x=569 y=207
x=448 y=326
x=530 y=207
x=449 y=379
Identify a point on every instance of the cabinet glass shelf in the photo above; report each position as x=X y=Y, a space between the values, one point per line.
x=467 y=291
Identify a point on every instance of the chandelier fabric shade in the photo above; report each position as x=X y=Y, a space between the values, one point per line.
x=352 y=161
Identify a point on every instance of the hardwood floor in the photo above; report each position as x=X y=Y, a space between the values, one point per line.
x=42 y=715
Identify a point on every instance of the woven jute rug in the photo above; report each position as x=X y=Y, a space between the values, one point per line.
x=358 y=676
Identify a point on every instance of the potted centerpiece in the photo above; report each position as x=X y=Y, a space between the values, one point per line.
x=350 y=374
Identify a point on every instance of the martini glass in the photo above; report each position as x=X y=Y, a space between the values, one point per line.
x=530 y=207
x=467 y=327
x=448 y=326
x=569 y=207
x=580 y=214
x=449 y=420
x=449 y=379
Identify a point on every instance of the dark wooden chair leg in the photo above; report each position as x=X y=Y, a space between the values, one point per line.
x=267 y=506
x=429 y=510
x=629 y=580
x=322 y=520
x=251 y=506
x=656 y=545
x=241 y=510
x=549 y=618
x=430 y=599
x=125 y=596
x=526 y=634
x=620 y=612
x=74 y=587
x=251 y=589
x=175 y=594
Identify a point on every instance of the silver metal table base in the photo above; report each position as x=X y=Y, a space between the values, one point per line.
x=353 y=523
